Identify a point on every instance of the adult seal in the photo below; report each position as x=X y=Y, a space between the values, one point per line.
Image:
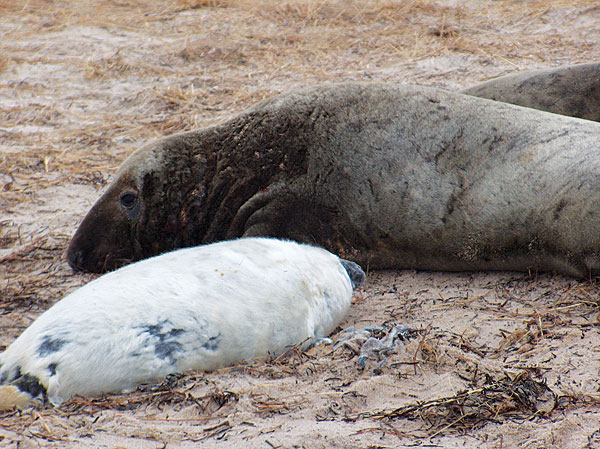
x=569 y=90
x=390 y=176
x=196 y=308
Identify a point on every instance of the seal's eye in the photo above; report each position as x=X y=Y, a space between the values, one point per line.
x=128 y=200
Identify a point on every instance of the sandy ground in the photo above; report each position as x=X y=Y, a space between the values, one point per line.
x=496 y=360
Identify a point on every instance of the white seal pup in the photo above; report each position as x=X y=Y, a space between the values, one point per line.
x=197 y=308
x=569 y=90
x=390 y=176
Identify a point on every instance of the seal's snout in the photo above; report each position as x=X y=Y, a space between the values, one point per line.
x=76 y=260
x=355 y=272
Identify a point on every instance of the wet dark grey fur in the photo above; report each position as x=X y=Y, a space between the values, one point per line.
x=389 y=176
x=571 y=90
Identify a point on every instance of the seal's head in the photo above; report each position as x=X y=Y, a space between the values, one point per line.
x=143 y=212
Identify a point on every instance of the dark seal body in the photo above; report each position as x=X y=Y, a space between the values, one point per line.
x=390 y=176
x=570 y=90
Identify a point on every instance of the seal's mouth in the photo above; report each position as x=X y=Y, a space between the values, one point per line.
x=78 y=262
x=99 y=249
x=112 y=263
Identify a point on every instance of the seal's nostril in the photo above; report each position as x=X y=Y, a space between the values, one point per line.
x=76 y=260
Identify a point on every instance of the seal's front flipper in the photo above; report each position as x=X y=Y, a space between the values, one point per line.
x=247 y=221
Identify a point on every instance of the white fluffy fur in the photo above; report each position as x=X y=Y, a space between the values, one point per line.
x=196 y=308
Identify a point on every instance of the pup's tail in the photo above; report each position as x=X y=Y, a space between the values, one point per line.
x=11 y=396
x=21 y=391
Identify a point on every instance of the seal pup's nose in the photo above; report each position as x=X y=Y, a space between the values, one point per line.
x=355 y=272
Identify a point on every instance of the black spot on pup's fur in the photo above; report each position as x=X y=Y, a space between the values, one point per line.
x=52 y=369
x=50 y=345
x=212 y=344
x=167 y=350
x=164 y=340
